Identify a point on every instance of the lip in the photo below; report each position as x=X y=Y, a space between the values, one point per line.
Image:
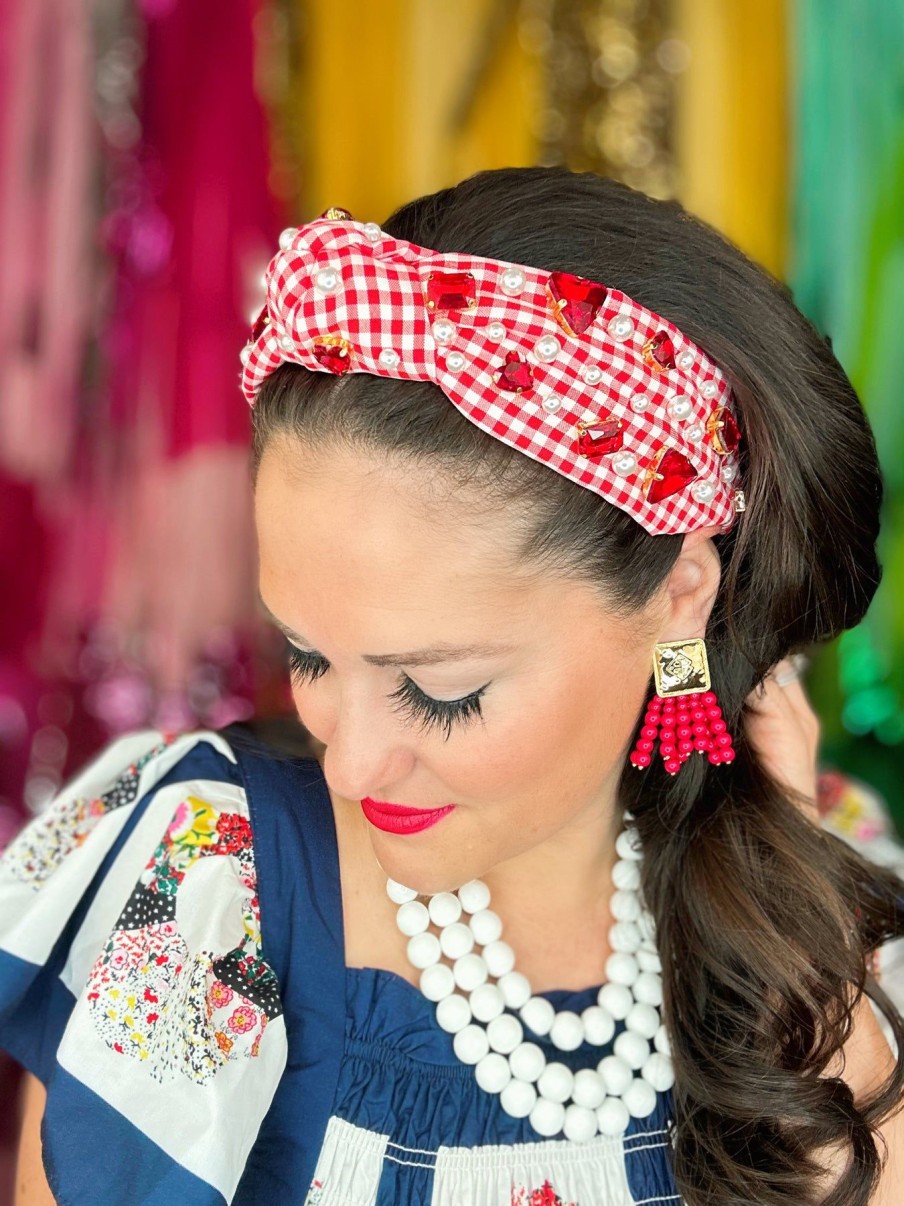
x=396 y=818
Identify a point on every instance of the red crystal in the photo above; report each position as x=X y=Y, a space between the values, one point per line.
x=260 y=323
x=605 y=435
x=576 y=301
x=334 y=353
x=723 y=430
x=659 y=352
x=515 y=375
x=451 y=291
x=668 y=473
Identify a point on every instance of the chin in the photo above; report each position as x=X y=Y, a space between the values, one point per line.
x=418 y=871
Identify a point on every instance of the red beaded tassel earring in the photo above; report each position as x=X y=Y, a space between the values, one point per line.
x=682 y=725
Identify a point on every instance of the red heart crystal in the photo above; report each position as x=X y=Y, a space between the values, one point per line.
x=451 y=291
x=334 y=353
x=260 y=323
x=576 y=301
x=723 y=431
x=659 y=352
x=515 y=374
x=596 y=439
x=669 y=471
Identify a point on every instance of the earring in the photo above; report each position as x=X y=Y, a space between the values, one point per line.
x=682 y=725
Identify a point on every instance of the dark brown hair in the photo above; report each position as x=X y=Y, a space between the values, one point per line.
x=764 y=921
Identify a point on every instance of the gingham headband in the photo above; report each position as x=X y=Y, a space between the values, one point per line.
x=568 y=371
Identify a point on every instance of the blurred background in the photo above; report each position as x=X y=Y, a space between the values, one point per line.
x=150 y=153
x=152 y=150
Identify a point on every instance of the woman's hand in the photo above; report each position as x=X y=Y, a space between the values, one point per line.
x=784 y=731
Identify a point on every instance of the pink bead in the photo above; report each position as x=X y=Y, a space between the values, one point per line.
x=673 y=766
x=715 y=757
x=685 y=747
x=684 y=716
x=728 y=754
x=667 y=734
x=645 y=746
x=698 y=714
x=708 y=698
x=667 y=749
x=717 y=726
x=650 y=732
x=701 y=730
x=714 y=712
x=684 y=731
x=640 y=760
x=723 y=739
x=701 y=743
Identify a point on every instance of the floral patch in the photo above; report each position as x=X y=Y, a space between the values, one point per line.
x=41 y=846
x=544 y=1196
x=181 y=1012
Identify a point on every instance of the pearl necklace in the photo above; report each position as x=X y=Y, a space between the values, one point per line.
x=554 y=1099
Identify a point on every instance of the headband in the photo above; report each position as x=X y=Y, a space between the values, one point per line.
x=572 y=373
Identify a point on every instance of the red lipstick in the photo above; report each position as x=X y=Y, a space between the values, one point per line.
x=396 y=818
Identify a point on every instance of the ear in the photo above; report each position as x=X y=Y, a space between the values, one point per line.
x=691 y=587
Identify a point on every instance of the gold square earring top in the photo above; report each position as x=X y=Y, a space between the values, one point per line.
x=681 y=667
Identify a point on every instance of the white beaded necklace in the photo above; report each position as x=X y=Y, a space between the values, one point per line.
x=554 y=1099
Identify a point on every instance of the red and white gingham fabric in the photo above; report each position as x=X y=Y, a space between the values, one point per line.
x=380 y=307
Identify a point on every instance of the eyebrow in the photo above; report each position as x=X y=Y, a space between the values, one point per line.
x=428 y=656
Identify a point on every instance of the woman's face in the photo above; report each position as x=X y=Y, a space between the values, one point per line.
x=366 y=569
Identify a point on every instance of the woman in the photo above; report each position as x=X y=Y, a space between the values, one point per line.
x=534 y=931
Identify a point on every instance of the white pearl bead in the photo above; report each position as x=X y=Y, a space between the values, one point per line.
x=470 y=1044
x=286 y=342
x=658 y=1072
x=580 y=1124
x=486 y=926
x=285 y=239
x=686 y=361
x=496 y=331
x=599 y=1025
x=245 y=354
x=632 y=1048
x=624 y=463
x=627 y=845
x=518 y=1098
x=453 y=1013
x=424 y=949
x=512 y=282
x=556 y=1082
x=537 y=1014
x=437 y=982
x=515 y=989
x=456 y=939
x=625 y=906
x=648 y=961
x=443 y=331
x=622 y=969
x=486 y=1002
x=616 y=1074
x=493 y=1072
x=642 y=1019
x=729 y=473
x=552 y=403
x=505 y=1033
x=474 y=896
x=639 y=1098
x=567 y=1030
x=679 y=408
x=589 y=1090
x=710 y=389
x=469 y=971
x=694 y=433
x=612 y=1117
x=412 y=918
x=647 y=927
x=620 y=327
x=527 y=1061
x=640 y=403
x=661 y=1041
x=500 y=958
x=616 y=999
x=625 y=936
x=389 y=358
x=455 y=362
x=593 y=375
x=444 y=908
x=398 y=893
x=547 y=348
x=626 y=875
x=703 y=491
x=647 y=988
x=547 y=1117
x=372 y=232
x=327 y=280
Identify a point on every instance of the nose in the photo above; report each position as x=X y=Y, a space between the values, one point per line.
x=366 y=752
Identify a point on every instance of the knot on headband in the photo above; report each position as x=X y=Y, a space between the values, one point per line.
x=570 y=372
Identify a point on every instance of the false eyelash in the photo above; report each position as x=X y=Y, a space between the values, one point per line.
x=409 y=698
